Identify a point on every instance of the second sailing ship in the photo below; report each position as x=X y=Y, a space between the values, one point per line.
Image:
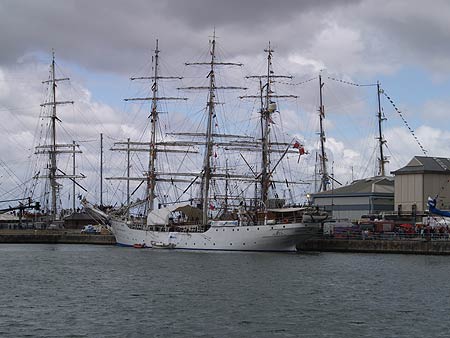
x=256 y=225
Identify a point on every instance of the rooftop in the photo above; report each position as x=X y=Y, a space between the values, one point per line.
x=378 y=184
x=425 y=164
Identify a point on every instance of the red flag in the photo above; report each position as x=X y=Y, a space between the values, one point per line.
x=211 y=206
x=300 y=148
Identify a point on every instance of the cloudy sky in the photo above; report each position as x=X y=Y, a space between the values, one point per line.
x=99 y=44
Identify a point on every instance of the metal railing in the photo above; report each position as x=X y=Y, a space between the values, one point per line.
x=393 y=236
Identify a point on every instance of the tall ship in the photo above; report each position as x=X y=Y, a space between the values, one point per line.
x=225 y=209
x=42 y=203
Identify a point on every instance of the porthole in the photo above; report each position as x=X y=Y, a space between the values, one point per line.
x=217 y=229
x=257 y=229
x=231 y=243
x=284 y=226
x=243 y=243
x=248 y=229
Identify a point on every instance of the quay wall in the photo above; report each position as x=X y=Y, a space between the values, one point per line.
x=401 y=246
x=48 y=237
x=416 y=246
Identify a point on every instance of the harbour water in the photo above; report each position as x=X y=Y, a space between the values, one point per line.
x=107 y=291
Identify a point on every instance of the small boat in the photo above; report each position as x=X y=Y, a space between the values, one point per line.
x=162 y=245
x=139 y=245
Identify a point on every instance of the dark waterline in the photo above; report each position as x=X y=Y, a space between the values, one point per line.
x=98 y=291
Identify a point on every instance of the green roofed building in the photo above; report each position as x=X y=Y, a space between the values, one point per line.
x=370 y=196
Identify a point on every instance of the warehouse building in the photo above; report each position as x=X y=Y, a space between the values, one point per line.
x=370 y=196
x=421 y=178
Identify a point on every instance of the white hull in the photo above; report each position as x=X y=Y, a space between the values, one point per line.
x=273 y=237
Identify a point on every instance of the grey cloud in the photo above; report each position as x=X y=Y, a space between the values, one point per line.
x=114 y=36
x=204 y=14
x=405 y=32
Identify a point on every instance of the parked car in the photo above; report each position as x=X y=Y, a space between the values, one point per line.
x=90 y=229
x=54 y=226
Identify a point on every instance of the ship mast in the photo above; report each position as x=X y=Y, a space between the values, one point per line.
x=206 y=174
x=265 y=125
x=268 y=107
x=225 y=209
x=154 y=115
x=323 y=157
x=101 y=169
x=52 y=153
x=53 y=149
x=381 y=141
x=208 y=141
x=151 y=180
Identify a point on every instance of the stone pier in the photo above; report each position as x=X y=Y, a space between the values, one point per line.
x=54 y=237
x=416 y=246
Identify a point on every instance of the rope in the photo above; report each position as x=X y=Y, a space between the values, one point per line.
x=352 y=83
x=298 y=84
x=405 y=122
